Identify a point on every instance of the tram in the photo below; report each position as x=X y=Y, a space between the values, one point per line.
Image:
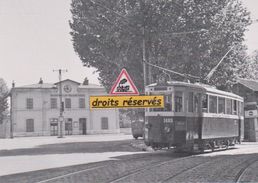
x=196 y=117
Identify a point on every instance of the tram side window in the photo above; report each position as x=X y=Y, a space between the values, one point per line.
x=178 y=101
x=229 y=106
x=222 y=105
x=197 y=97
x=205 y=103
x=234 y=107
x=212 y=104
x=190 y=102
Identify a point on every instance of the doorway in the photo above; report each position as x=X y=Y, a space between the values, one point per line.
x=82 y=126
x=69 y=126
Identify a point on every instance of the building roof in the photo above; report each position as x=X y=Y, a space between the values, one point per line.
x=252 y=84
x=68 y=80
x=37 y=85
x=54 y=85
x=91 y=86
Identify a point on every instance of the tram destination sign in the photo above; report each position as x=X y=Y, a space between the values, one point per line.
x=100 y=102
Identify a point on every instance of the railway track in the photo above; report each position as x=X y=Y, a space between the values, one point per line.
x=242 y=171
x=70 y=174
x=180 y=172
x=150 y=166
x=106 y=166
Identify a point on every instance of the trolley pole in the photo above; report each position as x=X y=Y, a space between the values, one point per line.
x=144 y=58
x=61 y=117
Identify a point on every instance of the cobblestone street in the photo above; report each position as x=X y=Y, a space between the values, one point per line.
x=130 y=164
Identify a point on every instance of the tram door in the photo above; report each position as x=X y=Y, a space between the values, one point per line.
x=82 y=126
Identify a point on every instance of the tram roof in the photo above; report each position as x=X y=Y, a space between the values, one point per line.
x=201 y=86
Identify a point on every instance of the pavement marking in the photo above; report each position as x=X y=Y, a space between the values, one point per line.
x=66 y=175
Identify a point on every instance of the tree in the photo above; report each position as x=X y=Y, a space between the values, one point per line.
x=3 y=100
x=189 y=36
x=249 y=67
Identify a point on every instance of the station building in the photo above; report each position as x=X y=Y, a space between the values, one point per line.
x=248 y=89
x=35 y=110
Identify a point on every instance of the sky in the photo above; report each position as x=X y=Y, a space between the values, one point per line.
x=35 y=40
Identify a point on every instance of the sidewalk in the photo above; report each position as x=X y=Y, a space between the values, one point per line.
x=30 y=142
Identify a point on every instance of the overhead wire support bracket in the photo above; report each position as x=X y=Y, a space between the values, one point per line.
x=174 y=72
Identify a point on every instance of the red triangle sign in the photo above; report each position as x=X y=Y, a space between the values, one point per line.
x=124 y=85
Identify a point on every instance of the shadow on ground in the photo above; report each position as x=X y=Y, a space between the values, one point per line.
x=78 y=147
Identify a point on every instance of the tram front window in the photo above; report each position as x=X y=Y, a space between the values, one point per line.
x=178 y=101
x=167 y=104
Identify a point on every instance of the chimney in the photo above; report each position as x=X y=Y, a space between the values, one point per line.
x=40 y=81
x=86 y=81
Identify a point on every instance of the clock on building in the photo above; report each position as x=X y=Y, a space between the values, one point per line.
x=67 y=88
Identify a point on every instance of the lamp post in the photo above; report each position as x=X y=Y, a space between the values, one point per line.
x=61 y=117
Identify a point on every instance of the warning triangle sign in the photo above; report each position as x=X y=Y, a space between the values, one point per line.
x=124 y=85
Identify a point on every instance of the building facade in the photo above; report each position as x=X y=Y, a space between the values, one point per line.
x=248 y=89
x=35 y=110
x=5 y=127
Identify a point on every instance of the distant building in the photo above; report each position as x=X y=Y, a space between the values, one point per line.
x=35 y=110
x=5 y=127
x=248 y=89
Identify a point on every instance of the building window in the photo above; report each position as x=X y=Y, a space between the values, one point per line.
x=68 y=103
x=29 y=103
x=81 y=102
x=104 y=123
x=29 y=125
x=212 y=104
x=53 y=103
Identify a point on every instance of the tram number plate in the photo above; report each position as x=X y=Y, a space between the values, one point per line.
x=168 y=120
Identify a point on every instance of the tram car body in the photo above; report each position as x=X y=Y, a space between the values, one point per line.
x=196 y=117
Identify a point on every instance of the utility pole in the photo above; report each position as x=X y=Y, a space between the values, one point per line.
x=61 y=117
x=144 y=59
x=11 y=110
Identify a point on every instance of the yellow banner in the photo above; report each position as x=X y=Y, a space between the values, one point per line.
x=100 y=102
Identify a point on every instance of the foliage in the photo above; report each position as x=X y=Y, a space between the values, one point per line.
x=188 y=36
x=248 y=69
x=3 y=100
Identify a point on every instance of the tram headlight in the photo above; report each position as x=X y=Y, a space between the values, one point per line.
x=167 y=129
x=148 y=126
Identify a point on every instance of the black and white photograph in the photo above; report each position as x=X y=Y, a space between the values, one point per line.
x=128 y=91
